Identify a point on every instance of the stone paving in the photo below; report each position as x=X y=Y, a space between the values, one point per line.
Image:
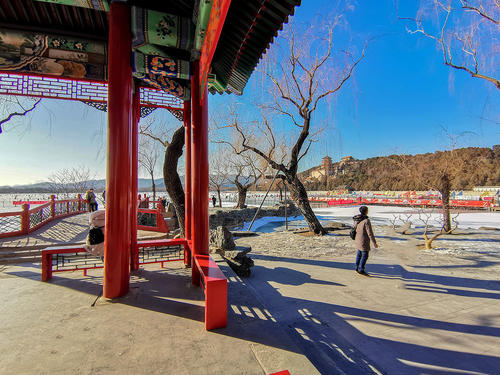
x=158 y=328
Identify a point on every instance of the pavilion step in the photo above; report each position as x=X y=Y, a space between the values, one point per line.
x=20 y=253
x=21 y=259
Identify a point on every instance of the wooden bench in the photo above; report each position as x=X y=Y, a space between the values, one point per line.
x=48 y=253
x=164 y=243
x=214 y=284
x=86 y=261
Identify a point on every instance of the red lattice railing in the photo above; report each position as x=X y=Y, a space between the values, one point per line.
x=28 y=220
x=150 y=216
x=77 y=89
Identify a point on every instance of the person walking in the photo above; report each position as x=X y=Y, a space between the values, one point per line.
x=214 y=200
x=364 y=235
x=91 y=200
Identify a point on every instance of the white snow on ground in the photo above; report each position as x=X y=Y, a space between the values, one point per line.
x=381 y=215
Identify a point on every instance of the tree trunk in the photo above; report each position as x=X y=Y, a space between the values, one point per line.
x=242 y=196
x=298 y=194
x=281 y=193
x=445 y=197
x=218 y=195
x=171 y=178
x=428 y=241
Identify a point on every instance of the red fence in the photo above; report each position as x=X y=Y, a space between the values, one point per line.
x=404 y=202
x=150 y=216
x=28 y=220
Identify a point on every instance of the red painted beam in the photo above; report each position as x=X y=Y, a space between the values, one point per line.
x=118 y=181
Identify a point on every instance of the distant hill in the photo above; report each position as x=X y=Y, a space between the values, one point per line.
x=99 y=185
x=479 y=167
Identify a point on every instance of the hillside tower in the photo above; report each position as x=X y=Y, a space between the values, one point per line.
x=327 y=165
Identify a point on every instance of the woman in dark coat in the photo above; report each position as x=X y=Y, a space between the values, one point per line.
x=364 y=235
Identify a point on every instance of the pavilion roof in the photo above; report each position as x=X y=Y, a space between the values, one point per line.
x=248 y=31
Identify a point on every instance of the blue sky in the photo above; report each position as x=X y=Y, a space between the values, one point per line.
x=400 y=99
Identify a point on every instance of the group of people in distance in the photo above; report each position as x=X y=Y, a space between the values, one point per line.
x=91 y=199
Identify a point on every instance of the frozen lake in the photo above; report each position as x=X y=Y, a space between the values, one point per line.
x=380 y=215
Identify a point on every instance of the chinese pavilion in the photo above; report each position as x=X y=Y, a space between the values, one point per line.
x=129 y=57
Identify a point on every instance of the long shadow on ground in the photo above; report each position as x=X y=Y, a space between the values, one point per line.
x=258 y=312
x=323 y=330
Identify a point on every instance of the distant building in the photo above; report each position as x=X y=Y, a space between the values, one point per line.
x=328 y=168
x=492 y=189
x=327 y=165
x=345 y=163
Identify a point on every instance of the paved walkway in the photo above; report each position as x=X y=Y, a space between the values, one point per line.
x=418 y=314
x=158 y=328
x=408 y=318
x=72 y=229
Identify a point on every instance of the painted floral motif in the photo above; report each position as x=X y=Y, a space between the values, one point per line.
x=160 y=63
x=166 y=84
x=68 y=44
x=166 y=26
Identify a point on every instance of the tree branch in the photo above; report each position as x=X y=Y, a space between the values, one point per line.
x=14 y=114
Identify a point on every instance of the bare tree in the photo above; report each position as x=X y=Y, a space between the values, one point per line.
x=425 y=217
x=308 y=71
x=148 y=160
x=441 y=178
x=247 y=173
x=173 y=147
x=219 y=165
x=14 y=106
x=66 y=182
x=465 y=31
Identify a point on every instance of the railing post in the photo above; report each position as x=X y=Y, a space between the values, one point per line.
x=25 y=219
x=46 y=267
x=79 y=202
x=53 y=206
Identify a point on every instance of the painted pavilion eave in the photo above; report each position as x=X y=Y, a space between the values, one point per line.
x=248 y=31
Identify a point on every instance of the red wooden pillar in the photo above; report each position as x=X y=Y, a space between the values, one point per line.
x=199 y=170
x=136 y=109
x=187 y=193
x=118 y=180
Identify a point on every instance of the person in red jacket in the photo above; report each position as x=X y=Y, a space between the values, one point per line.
x=364 y=235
